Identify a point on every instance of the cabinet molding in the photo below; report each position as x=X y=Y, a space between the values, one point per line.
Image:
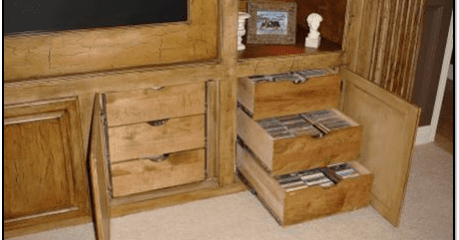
x=45 y=176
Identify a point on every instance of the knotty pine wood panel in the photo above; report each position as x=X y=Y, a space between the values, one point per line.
x=78 y=51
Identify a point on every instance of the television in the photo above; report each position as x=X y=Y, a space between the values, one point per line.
x=53 y=15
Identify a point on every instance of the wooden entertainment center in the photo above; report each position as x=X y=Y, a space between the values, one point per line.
x=90 y=113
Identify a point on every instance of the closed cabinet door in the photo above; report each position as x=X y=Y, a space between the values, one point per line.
x=44 y=169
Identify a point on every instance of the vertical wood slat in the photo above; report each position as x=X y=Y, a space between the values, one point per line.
x=395 y=46
x=418 y=19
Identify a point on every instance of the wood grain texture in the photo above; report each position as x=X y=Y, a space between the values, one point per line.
x=389 y=44
x=145 y=175
x=160 y=102
x=281 y=156
x=36 y=177
x=308 y=203
x=143 y=140
x=305 y=152
x=78 y=51
x=266 y=187
x=389 y=127
x=288 y=63
x=212 y=121
x=98 y=166
x=45 y=178
x=315 y=202
x=273 y=99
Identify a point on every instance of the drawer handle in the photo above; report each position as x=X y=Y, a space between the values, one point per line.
x=157 y=123
x=156 y=88
x=158 y=158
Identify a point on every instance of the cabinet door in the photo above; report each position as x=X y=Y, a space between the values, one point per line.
x=389 y=126
x=44 y=169
x=99 y=171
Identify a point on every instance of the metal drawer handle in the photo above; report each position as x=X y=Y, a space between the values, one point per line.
x=157 y=123
x=156 y=88
x=158 y=158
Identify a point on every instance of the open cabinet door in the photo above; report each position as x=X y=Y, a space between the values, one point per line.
x=99 y=172
x=389 y=126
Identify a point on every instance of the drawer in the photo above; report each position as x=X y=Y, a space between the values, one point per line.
x=156 y=103
x=263 y=99
x=149 y=139
x=144 y=175
x=291 y=143
x=294 y=204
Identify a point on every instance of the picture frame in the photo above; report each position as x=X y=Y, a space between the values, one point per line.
x=271 y=22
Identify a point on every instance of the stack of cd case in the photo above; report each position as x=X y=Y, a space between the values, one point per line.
x=303 y=124
x=323 y=177
x=296 y=77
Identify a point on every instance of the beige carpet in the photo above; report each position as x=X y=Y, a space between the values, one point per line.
x=428 y=214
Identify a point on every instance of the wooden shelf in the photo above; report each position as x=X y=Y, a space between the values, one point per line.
x=264 y=50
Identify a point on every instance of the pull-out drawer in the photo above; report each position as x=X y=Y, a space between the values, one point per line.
x=155 y=103
x=148 y=139
x=290 y=93
x=302 y=141
x=294 y=204
x=149 y=174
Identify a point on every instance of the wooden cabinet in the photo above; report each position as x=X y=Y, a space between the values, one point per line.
x=44 y=170
x=160 y=141
x=127 y=64
x=388 y=126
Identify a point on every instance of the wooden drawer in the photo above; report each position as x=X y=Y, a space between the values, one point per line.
x=294 y=148
x=144 y=175
x=304 y=203
x=155 y=103
x=145 y=139
x=262 y=99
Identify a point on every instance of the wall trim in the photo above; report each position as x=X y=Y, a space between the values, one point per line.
x=426 y=134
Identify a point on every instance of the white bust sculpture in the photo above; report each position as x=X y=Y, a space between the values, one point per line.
x=313 y=38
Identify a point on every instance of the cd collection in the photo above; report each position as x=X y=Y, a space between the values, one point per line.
x=324 y=177
x=317 y=123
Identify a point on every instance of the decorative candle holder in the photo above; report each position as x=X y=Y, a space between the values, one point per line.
x=242 y=16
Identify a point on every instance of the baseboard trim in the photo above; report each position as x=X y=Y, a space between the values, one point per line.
x=424 y=135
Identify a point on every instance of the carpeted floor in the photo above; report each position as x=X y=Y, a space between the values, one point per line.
x=427 y=215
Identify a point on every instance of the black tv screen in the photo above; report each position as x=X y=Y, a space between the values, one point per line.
x=55 y=15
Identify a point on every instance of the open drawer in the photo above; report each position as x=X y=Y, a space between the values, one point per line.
x=302 y=141
x=301 y=203
x=289 y=93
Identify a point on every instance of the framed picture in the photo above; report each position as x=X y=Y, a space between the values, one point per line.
x=271 y=22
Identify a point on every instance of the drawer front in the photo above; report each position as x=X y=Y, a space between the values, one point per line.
x=144 y=175
x=272 y=99
x=143 y=140
x=156 y=103
x=295 y=205
x=280 y=155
